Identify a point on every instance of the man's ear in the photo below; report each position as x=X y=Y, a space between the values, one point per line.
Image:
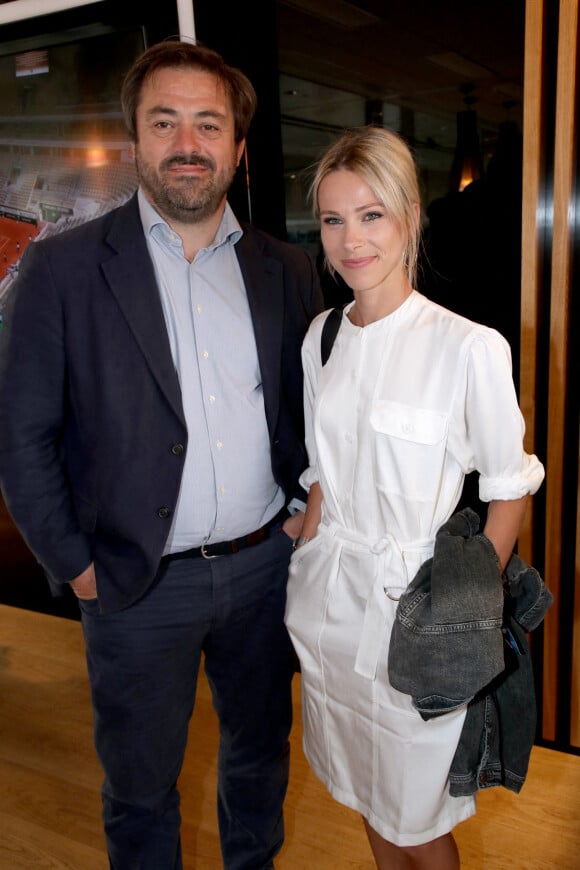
x=241 y=149
x=132 y=150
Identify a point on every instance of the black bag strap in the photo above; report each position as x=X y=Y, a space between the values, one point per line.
x=329 y=333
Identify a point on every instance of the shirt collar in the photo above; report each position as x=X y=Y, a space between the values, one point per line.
x=229 y=230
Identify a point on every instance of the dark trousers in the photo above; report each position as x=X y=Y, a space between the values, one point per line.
x=143 y=664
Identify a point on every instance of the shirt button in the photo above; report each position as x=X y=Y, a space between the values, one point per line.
x=212 y=399
x=177 y=449
x=219 y=445
x=163 y=513
x=205 y=354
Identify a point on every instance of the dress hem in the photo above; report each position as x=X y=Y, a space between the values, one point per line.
x=445 y=823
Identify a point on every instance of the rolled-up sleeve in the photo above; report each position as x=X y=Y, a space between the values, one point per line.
x=494 y=425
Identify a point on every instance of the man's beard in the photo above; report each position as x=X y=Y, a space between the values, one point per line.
x=186 y=199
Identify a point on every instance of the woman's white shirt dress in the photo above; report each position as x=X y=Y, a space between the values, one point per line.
x=404 y=408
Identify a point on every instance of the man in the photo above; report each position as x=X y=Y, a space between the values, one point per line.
x=150 y=448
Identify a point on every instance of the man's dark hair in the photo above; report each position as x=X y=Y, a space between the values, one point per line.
x=174 y=54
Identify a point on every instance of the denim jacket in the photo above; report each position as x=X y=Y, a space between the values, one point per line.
x=460 y=638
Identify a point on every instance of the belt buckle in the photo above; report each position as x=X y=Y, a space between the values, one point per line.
x=207 y=555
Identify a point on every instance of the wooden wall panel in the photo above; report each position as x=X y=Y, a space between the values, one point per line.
x=560 y=294
x=533 y=145
x=575 y=699
x=549 y=227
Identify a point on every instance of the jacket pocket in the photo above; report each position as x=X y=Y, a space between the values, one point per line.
x=409 y=448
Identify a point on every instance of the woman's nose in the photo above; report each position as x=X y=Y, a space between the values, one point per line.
x=353 y=238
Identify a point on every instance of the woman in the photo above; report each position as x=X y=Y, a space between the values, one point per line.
x=412 y=399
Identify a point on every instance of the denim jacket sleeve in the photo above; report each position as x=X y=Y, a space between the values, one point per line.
x=500 y=724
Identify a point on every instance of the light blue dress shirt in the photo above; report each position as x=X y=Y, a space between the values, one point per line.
x=227 y=488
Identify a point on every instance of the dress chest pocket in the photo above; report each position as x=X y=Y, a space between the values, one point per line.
x=409 y=448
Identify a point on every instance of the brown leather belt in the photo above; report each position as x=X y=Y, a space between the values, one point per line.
x=226 y=548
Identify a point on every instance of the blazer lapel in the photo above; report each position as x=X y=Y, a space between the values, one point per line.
x=263 y=279
x=131 y=278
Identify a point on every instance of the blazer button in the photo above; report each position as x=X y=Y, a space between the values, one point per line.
x=177 y=449
x=163 y=513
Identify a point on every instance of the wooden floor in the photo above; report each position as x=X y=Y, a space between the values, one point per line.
x=50 y=780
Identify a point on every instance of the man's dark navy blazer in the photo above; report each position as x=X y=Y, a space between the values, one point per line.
x=92 y=432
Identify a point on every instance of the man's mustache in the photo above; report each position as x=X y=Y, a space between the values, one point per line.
x=188 y=160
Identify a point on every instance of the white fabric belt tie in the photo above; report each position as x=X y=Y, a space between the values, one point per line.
x=390 y=579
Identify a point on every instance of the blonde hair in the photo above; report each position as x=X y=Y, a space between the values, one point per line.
x=383 y=160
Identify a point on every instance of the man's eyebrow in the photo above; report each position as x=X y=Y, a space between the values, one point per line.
x=169 y=110
x=211 y=113
x=160 y=110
